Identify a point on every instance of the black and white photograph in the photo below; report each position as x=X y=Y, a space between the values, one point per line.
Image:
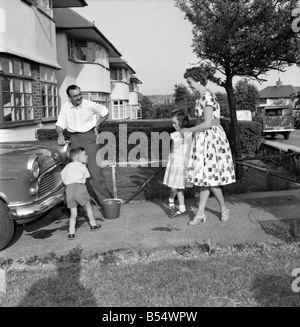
x=149 y=157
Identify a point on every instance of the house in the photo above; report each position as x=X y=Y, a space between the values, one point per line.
x=134 y=100
x=278 y=94
x=44 y=47
x=83 y=52
x=28 y=66
x=124 y=90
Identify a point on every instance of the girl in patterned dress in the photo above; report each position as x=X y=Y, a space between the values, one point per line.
x=210 y=164
x=176 y=170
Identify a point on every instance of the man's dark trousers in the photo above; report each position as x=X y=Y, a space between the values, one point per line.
x=97 y=181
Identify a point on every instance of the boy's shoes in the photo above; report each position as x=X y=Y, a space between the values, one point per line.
x=172 y=211
x=93 y=228
x=71 y=236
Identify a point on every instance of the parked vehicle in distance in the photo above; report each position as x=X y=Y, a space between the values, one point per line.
x=296 y=114
x=276 y=120
x=30 y=182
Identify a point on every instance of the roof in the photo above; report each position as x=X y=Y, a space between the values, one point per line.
x=134 y=78
x=119 y=62
x=284 y=91
x=78 y=26
x=68 y=3
x=68 y=18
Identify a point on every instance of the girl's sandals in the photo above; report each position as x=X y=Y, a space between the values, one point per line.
x=198 y=219
x=176 y=213
x=225 y=215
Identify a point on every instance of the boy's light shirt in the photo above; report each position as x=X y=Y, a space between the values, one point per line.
x=74 y=172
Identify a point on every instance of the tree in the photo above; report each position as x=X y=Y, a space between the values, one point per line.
x=223 y=101
x=246 y=95
x=146 y=106
x=184 y=99
x=242 y=38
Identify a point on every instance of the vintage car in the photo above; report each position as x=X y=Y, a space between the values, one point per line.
x=30 y=182
x=276 y=120
x=296 y=114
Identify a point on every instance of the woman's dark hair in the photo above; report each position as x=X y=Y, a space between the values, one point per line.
x=75 y=152
x=72 y=87
x=182 y=117
x=197 y=74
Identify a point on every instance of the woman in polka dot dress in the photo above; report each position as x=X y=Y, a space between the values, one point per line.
x=210 y=164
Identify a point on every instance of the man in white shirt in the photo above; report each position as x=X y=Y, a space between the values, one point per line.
x=82 y=118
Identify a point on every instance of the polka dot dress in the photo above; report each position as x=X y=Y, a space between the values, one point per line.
x=210 y=163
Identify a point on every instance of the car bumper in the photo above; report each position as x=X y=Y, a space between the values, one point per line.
x=278 y=130
x=26 y=213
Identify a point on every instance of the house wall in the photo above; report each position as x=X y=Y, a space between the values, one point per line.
x=277 y=101
x=90 y=77
x=27 y=32
x=133 y=98
x=119 y=91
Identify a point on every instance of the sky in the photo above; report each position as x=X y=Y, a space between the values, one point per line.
x=156 y=41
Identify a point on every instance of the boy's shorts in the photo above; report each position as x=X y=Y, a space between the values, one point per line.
x=76 y=194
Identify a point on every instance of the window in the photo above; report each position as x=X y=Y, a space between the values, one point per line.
x=119 y=109
x=49 y=92
x=263 y=101
x=82 y=50
x=116 y=74
x=16 y=92
x=99 y=97
x=45 y=6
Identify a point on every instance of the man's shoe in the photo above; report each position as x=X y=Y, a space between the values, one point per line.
x=71 y=236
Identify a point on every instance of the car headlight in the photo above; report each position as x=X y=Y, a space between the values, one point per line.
x=33 y=167
x=34 y=189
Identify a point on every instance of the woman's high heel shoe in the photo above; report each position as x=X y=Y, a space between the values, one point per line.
x=197 y=220
x=225 y=215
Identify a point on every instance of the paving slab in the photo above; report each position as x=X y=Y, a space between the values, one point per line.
x=146 y=226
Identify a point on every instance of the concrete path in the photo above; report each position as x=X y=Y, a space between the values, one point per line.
x=146 y=226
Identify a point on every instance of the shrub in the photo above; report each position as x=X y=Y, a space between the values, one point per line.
x=250 y=133
x=250 y=136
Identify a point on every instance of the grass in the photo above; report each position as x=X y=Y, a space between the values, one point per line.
x=245 y=275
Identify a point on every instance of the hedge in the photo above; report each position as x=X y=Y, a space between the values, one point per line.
x=250 y=133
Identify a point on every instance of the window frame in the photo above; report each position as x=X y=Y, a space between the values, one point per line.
x=53 y=95
x=119 y=74
x=17 y=81
x=117 y=106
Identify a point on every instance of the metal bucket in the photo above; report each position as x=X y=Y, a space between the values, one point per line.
x=111 y=208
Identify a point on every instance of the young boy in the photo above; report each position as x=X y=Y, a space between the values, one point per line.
x=73 y=176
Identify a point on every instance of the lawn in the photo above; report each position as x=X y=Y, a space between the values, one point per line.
x=257 y=275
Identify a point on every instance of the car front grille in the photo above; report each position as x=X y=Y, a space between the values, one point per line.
x=49 y=181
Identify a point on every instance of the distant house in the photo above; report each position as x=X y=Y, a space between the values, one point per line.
x=28 y=66
x=134 y=103
x=278 y=94
x=124 y=90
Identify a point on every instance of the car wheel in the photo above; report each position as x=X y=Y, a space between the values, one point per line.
x=286 y=136
x=7 y=226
